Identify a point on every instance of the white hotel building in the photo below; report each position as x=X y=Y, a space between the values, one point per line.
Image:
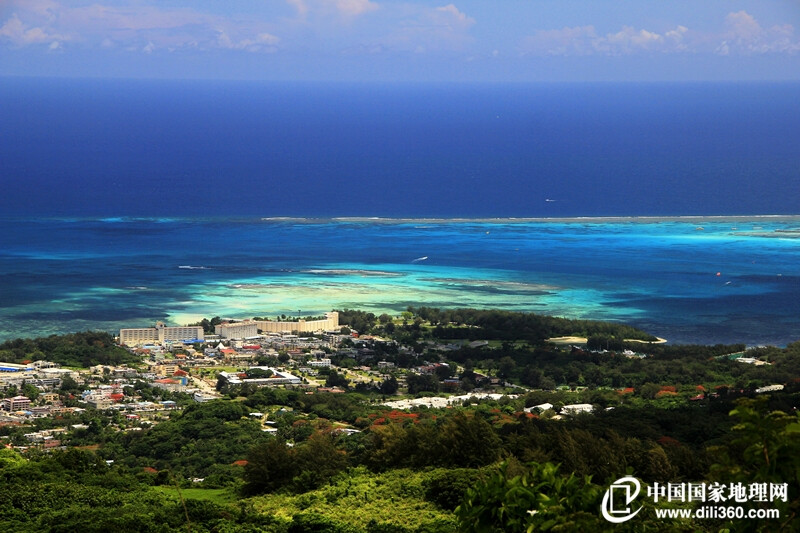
x=329 y=323
x=159 y=334
x=237 y=330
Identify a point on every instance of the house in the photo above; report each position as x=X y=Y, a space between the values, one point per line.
x=99 y=401
x=16 y=403
x=170 y=384
x=451 y=384
x=50 y=397
x=199 y=397
x=167 y=368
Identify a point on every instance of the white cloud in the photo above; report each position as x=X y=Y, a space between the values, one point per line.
x=426 y=29
x=135 y=27
x=355 y=7
x=584 y=40
x=450 y=15
x=346 y=8
x=19 y=34
x=742 y=34
x=629 y=41
x=563 y=42
x=746 y=36
x=742 y=25
x=261 y=42
x=300 y=5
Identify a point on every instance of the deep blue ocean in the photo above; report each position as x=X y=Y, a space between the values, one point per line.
x=128 y=201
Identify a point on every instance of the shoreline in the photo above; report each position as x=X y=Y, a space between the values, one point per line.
x=584 y=340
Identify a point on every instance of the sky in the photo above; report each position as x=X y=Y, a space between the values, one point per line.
x=403 y=40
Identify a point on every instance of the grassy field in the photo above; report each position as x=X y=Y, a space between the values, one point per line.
x=396 y=497
x=356 y=498
x=218 y=496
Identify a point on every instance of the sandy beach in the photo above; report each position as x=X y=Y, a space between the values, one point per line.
x=584 y=340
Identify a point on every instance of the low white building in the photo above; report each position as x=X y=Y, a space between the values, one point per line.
x=577 y=408
x=540 y=407
x=201 y=397
x=769 y=388
x=278 y=377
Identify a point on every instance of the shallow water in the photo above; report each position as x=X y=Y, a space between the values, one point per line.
x=706 y=280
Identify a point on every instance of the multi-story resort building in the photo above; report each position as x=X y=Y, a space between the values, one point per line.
x=237 y=330
x=329 y=323
x=159 y=334
x=245 y=329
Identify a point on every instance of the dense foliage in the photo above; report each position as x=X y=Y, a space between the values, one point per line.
x=84 y=349
x=75 y=490
x=510 y=325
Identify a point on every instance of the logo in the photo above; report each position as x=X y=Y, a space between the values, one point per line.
x=617 y=500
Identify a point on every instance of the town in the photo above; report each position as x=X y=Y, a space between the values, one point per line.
x=185 y=362
x=46 y=403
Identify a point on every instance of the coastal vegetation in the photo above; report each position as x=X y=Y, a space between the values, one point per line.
x=83 y=349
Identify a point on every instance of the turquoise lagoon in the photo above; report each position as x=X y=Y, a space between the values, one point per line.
x=690 y=280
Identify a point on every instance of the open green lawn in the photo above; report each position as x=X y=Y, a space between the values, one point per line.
x=218 y=496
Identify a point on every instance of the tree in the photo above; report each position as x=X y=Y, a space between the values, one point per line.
x=470 y=440
x=30 y=391
x=317 y=461
x=765 y=449
x=256 y=373
x=270 y=466
x=506 y=367
x=334 y=379
x=421 y=383
x=389 y=386
x=540 y=499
